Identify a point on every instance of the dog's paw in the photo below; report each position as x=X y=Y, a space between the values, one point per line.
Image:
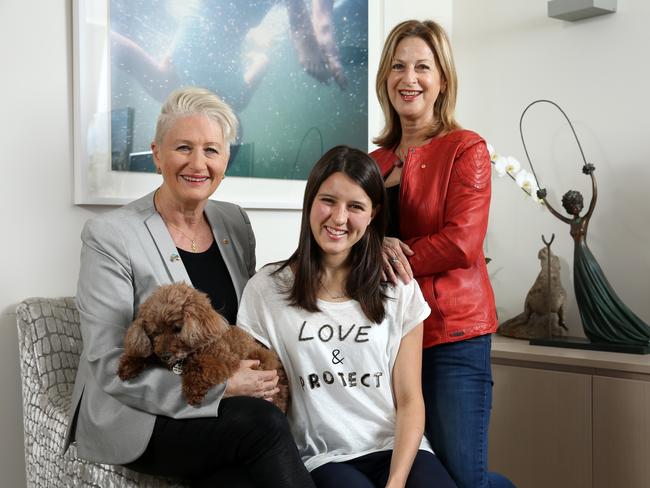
x=126 y=373
x=194 y=399
x=130 y=368
x=194 y=390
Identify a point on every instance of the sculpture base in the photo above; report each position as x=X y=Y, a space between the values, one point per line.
x=582 y=343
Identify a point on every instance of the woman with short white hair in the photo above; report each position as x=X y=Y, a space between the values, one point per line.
x=236 y=437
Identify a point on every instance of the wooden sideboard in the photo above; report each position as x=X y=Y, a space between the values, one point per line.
x=569 y=418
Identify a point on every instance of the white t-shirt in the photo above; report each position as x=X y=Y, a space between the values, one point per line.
x=338 y=362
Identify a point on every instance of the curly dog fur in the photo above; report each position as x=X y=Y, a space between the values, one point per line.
x=177 y=325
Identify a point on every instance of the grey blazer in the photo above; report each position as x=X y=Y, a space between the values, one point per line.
x=126 y=254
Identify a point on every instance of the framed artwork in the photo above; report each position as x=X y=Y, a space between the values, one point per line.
x=294 y=71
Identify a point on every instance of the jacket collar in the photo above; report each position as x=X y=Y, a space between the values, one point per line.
x=165 y=244
x=385 y=159
x=169 y=254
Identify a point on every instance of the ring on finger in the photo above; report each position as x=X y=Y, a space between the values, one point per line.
x=394 y=260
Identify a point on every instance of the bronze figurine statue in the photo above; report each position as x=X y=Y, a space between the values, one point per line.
x=543 y=314
x=605 y=318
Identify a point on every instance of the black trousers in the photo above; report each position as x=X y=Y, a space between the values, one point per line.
x=371 y=471
x=248 y=445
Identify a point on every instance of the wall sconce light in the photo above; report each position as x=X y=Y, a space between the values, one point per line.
x=573 y=10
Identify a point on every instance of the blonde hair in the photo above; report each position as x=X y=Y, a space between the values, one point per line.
x=192 y=100
x=443 y=110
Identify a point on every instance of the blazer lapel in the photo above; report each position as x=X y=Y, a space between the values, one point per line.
x=225 y=242
x=167 y=249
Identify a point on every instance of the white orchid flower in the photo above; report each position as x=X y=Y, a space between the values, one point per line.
x=513 y=165
x=501 y=165
x=507 y=165
x=528 y=183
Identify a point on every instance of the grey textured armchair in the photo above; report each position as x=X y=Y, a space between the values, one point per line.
x=50 y=343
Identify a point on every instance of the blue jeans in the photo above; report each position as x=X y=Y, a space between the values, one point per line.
x=457 y=388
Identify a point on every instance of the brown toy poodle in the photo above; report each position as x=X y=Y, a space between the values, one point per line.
x=178 y=327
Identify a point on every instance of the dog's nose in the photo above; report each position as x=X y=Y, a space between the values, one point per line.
x=165 y=356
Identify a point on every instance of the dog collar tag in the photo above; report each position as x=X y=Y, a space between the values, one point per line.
x=177 y=368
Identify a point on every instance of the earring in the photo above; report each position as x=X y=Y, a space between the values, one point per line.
x=158 y=170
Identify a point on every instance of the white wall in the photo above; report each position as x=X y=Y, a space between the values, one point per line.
x=510 y=53
x=40 y=225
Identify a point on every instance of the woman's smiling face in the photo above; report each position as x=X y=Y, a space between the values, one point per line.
x=340 y=215
x=192 y=158
x=414 y=81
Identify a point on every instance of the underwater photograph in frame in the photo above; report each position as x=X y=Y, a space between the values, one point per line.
x=295 y=73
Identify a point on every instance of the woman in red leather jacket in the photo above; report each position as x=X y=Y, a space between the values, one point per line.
x=438 y=179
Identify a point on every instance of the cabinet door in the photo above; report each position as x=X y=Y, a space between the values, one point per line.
x=621 y=433
x=540 y=430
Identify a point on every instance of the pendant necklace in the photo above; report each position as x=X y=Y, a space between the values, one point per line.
x=329 y=294
x=193 y=245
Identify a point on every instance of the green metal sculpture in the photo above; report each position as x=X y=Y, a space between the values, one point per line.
x=605 y=318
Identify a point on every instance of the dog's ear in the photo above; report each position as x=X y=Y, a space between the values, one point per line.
x=217 y=323
x=200 y=322
x=193 y=334
x=137 y=342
